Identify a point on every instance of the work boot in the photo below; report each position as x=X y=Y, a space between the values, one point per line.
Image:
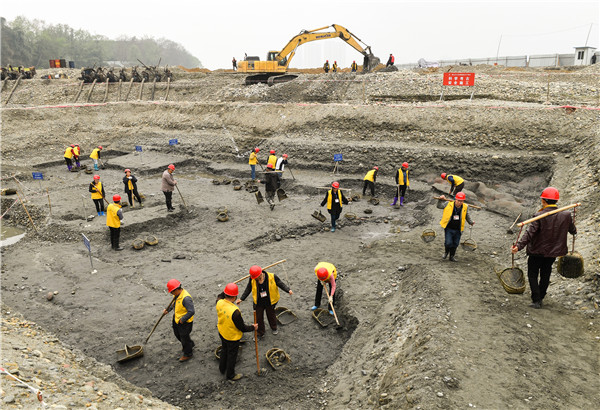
x=118 y=248
x=237 y=377
x=536 y=305
x=70 y=167
x=275 y=331
x=313 y=308
x=99 y=213
x=401 y=201
x=95 y=167
x=452 y=253
x=446 y=252
x=332 y=229
x=395 y=200
x=184 y=358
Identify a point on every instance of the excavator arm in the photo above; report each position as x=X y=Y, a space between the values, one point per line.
x=284 y=57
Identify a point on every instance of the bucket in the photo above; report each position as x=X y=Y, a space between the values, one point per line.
x=571 y=265
x=52 y=63
x=71 y=64
x=57 y=63
x=63 y=63
x=428 y=235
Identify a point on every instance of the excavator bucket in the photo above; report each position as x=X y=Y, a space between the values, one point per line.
x=370 y=62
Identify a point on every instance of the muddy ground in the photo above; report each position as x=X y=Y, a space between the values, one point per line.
x=418 y=332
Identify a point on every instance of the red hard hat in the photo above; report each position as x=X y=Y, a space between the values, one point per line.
x=376 y=167
x=72 y=146
x=461 y=196
x=270 y=166
x=550 y=193
x=99 y=146
x=443 y=175
x=76 y=145
x=335 y=184
x=173 y=284
x=231 y=289
x=272 y=151
x=322 y=273
x=256 y=149
x=405 y=164
x=285 y=155
x=127 y=170
x=116 y=198
x=255 y=271
x=172 y=167
x=96 y=176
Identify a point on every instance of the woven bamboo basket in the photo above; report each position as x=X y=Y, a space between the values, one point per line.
x=151 y=240
x=571 y=265
x=512 y=280
x=428 y=235
x=137 y=244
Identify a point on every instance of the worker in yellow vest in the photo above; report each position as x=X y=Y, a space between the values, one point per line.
x=76 y=153
x=369 y=180
x=456 y=183
x=265 y=295
x=272 y=158
x=334 y=67
x=182 y=306
x=253 y=160
x=453 y=221
x=326 y=275
x=69 y=156
x=402 y=182
x=95 y=156
x=231 y=326
x=335 y=200
x=130 y=182
x=114 y=219
x=354 y=67
x=98 y=194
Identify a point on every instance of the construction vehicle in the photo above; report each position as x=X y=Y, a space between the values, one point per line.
x=274 y=70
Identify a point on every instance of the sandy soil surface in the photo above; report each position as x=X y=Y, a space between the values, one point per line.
x=417 y=331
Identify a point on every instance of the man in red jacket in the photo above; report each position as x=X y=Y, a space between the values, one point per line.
x=545 y=240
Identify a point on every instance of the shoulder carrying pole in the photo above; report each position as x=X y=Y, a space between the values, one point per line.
x=542 y=216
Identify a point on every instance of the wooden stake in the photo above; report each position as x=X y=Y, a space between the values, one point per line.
x=153 y=89
x=91 y=90
x=106 y=92
x=78 y=93
x=129 y=89
x=119 y=95
x=49 y=204
x=13 y=90
x=168 y=88
x=27 y=212
x=542 y=216
x=141 y=89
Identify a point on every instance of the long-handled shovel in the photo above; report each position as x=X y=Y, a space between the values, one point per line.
x=183 y=200
x=159 y=319
x=331 y=304
x=256 y=347
x=291 y=173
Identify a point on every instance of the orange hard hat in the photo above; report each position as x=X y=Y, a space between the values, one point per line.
x=96 y=176
x=335 y=184
x=173 y=284
x=461 y=196
x=322 y=274
x=171 y=167
x=255 y=271
x=405 y=164
x=231 y=289
x=550 y=193
x=117 y=198
x=443 y=175
x=127 y=170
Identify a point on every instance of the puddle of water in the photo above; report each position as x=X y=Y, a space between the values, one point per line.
x=10 y=235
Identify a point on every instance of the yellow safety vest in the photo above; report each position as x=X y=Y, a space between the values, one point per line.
x=370 y=176
x=98 y=193
x=77 y=150
x=253 y=159
x=130 y=185
x=448 y=210
x=94 y=154
x=112 y=219
x=457 y=180
x=227 y=329
x=273 y=290
x=272 y=160
x=69 y=152
x=330 y=269
x=401 y=178
x=180 y=310
x=330 y=198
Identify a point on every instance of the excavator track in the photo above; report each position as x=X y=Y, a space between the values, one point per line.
x=270 y=79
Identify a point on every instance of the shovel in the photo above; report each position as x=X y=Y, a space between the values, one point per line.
x=291 y=173
x=182 y=200
x=509 y=230
x=331 y=304
x=102 y=164
x=259 y=371
x=259 y=197
x=131 y=352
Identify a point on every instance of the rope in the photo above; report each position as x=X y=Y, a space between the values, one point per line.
x=35 y=391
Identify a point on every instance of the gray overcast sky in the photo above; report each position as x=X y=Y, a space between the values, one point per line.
x=215 y=31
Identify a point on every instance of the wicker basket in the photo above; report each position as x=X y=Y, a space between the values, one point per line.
x=323 y=317
x=284 y=315
x=350 y=215
x=571 y=265
x=151 y=240
x=469 y=245
x=512 y=280
x=223 y=217
x=138 y=244
x=374 y=201
x=277 y=357
x=428 y=235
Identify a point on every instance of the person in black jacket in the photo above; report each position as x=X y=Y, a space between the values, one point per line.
x=130 y=183
x=335 y=199
x=272 y=184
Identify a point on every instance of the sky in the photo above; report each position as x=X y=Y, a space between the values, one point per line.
x=215 y=31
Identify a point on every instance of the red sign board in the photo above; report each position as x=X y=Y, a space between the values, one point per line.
x=459 y=79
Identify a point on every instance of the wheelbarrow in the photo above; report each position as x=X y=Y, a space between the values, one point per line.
x=135 y=351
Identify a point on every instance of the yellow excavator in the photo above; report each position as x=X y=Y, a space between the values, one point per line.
x=274 y=70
